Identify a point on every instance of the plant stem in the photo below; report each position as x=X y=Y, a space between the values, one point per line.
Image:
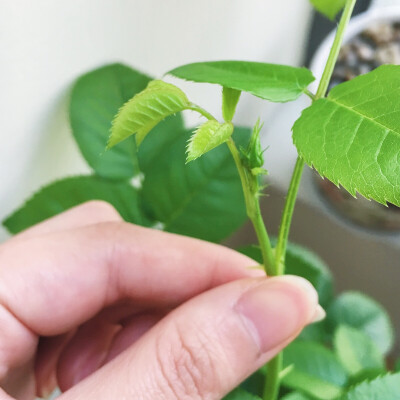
x=272 y=384
x=250 y=192
x=202 y=111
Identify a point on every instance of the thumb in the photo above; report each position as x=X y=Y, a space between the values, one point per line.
x=207 y=346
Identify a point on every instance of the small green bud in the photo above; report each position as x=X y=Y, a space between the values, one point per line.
x=253 y=156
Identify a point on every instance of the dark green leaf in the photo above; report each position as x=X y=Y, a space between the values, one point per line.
x=230 y=98
x=352 y=137
x=64 y=194
x=316 y=370
x=96 y=97
x=356 y=350
x=278 y=83
x=240 y=394
x=189 y=199
x=145 y=110
x=363 y=313
x=207 y=137
x=382 y=388
x=330 y=8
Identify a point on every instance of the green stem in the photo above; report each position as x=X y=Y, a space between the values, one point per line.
x=202 y=111
x=272 y=384
x=250 y=192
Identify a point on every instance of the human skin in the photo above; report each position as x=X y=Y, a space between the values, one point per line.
x=109 y=310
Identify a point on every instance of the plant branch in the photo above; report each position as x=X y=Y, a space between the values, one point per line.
x=202 y=111
x=251 y=196
x=272 y=384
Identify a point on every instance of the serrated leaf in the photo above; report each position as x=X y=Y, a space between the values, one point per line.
x=240 y=394
x=382 y=388
x=329 y=8
x=365 y=314
x=316 y=370
x=207 y=137
x=273 y=82
x=61 y=195
x=96 y=97
x=188 y=199
x=230 y=98
x=145 y=110
x=356 y=351
x=353 y=136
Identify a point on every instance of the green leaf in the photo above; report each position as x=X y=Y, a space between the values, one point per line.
x=188 y=199
x=352 y=137
x=329 y=8
x=295 y=396
x=316 y=370
x=365 y=314
x=356 y=351
x=207 y=137
x=273 y=82
x=240 y=394
x=95 y=99
x=145 y=110
x=382 y=388
x=64 y=194
x=230 y=98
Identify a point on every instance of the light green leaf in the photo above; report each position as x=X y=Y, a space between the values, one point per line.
x=295 y=396
x=278 y=83
x=208 y=136
x=356 y=351
x=240 y=394
x=145 y=110
x=329 y=8
x=189 y=199
x=230 y=98
x=382 y=388
x=95 y=99
x=352 y=137
x=64 y=194
x=316 y=370
x=365 y=314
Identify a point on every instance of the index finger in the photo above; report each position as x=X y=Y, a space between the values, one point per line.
x=56 y=282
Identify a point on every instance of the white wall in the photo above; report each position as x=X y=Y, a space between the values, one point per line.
x=46 y=44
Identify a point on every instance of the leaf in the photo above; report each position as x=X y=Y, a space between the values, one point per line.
x=356 y=351
x=273 y=82
x=96 y=97
x=329 y=8
x=189 y=199
x=353 y=136
x=208 y=136
x=64 y=194
x=382 y=388
x=365 y=314
x=295 y=396
x=145 y=110
x=240 y=394
x=230 y=98
x=316 y=370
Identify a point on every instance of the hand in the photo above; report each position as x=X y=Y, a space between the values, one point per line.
x=140 y=314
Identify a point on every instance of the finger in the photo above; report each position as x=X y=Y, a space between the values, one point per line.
x=91 y=212
x=66 y=278
x=207 y=346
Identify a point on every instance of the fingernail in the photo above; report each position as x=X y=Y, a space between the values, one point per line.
x=319 y=314
x=277 y=309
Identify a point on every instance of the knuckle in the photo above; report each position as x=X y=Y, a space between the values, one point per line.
x=187 y=365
